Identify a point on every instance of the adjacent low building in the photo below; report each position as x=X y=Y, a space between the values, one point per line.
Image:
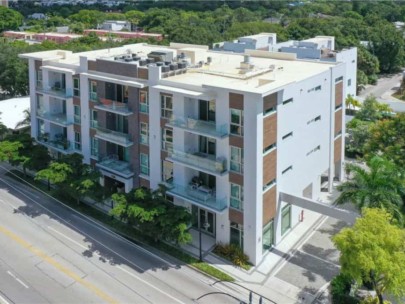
x=124 y=35
x=226 y=133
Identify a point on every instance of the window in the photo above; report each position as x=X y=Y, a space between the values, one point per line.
x=167 y=140
x=93 y=119
x=318 y=118
x=76 y=110
x=236 y=234
x=237 y=159
x=269 y=184
x=268 y=148
x=143 y=102
x=40 y=102
x=288 y=101
x=338 y=107
x=349 y=82
x=339 y=79
x=268 y=236
x=94 y=147
x=314 y=150
x=144 y=163
x=76 y=86
x=237 y=122
x=287 y=135
x=93 y=90
x=285 y=219
x=39 y=78
x=144 y=130
x=78 y=142
x=236 y=200
x=287 y=169
x=116 y=92
x=318 y=88
x=167 y=171
x=166 y=103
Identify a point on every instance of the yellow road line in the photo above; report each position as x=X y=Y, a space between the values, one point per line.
x=57 y=265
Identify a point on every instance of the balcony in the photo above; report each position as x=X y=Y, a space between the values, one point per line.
x=200 y=127
x=200 y=161
x=113 y=106
x=201 y=196
x=61 y=145
x=119 y=138
x=56 y=91
x=57 y=118
x=112 y=164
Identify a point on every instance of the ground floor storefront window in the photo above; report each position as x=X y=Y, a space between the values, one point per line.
x=268 y=236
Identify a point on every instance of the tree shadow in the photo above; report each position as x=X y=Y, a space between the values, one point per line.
x=103 y=244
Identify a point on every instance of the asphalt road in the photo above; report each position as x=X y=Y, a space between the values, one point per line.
x=52 y=254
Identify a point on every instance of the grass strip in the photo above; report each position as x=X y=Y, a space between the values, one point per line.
x=123 y=229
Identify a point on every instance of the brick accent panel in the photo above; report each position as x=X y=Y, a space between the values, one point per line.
x=92 y=65
x=92 y=132
x=143 y=117
x=236 y=101
x=76 y=101
x=338 y=149
x=236 y=216
x=163 y=122
x=269 y=167
x=236 y=141
x=269 y=205
x=76 y=128
x=236 y=178
x=338 y=121
x=163 y=155
x=144 y=183
x=38 y=64
x=143 y=149
x=143 y=73
x=117 y=68
x=269 y=130
x=269 y=101
x=338 y=93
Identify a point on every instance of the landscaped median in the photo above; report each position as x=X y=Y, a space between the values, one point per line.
x=126 y=231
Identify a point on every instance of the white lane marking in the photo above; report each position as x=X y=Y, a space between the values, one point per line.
x=3 y=300
x=95 y=223
x=150 y=285
x=8 y=203
x=17 y=279
x=119 y=267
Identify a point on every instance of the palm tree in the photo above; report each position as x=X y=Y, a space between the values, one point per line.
x=382 y=185
x=26 y=121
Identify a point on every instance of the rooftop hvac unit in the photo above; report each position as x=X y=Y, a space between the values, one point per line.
x=150 y=60
x=173 y=66
x=182 y=65
x=142 y=62
x=161 y=55
x=160 y=63
x=165 y=69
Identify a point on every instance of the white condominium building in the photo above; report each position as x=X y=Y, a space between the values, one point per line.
x=226 y=133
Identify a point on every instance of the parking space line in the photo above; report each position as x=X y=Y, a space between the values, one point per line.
x=318 y=258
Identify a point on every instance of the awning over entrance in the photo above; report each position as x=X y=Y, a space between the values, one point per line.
x=329 y=210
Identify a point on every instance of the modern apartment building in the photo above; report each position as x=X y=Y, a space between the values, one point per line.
x=226 y=133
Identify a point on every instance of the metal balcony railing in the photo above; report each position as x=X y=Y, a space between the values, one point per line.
x=59 y=118
x=207 y=128
x=119 y=138
x=200 y=160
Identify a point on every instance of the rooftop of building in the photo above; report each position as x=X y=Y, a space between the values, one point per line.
x=261 y=72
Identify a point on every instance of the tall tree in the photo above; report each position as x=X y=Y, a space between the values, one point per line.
x=9 y=19
x=382 y=186
x=373 y=251
x=387 y=138
x=56 y=173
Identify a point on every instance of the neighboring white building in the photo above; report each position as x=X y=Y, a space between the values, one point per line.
x=226 y=133
x=116 y=25
x=12 y=112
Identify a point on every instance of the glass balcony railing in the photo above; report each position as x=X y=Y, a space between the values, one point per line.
x=202 y=196
x=119 y=138
x=112 y=164
x=200 y=127
x=59 y=118
x=113 y=106
x=200 y=161
x=93 y=96
x=56 y=91
x=62 y=145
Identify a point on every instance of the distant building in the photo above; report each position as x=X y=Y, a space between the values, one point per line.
x=124 y=35
x=37 y=16
x=4 y=3
x=260 y=41
x=39 y=37
x=116 y=25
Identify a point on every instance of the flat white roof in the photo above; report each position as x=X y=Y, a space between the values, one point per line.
x=12 y=110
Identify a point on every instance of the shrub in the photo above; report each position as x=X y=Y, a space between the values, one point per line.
x=234 y=254
x=340 y=289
